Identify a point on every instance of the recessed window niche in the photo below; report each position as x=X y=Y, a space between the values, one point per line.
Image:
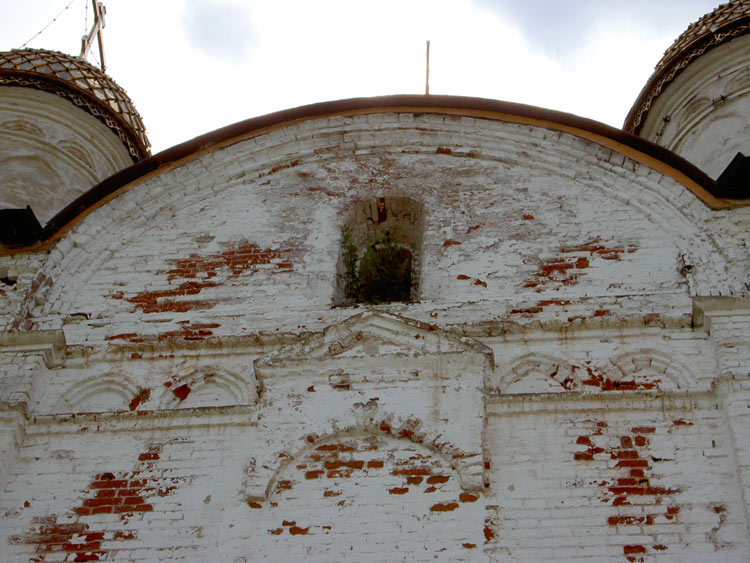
x=380 y=252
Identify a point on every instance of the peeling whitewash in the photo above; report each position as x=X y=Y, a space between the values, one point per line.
x=570 y=382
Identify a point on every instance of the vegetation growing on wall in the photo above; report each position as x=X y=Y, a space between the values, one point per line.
x=381 y=275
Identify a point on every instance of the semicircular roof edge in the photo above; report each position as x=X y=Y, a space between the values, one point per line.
x=633 y=146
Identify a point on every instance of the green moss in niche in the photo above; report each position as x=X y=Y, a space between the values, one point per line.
x=350 y=258
x=381 y=275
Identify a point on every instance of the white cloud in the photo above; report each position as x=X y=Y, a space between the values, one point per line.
x=219 y=28
x=192 y=66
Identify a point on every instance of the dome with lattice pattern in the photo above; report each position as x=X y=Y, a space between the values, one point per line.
x=89 y=88
x=728 y=21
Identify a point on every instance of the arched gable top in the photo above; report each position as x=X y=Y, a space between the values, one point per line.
x=614 y=139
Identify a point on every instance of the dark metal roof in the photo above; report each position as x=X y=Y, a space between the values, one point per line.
x=84 y=85
x=726 y=22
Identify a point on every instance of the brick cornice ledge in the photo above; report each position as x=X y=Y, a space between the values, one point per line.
x=50 y=343
x=718 y=306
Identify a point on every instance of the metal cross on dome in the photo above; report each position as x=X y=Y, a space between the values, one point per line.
x=96 y=29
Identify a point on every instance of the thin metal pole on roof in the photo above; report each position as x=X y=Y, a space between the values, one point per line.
x=96 y=29
x=427 y=77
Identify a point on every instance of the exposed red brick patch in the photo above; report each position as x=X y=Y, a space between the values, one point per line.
x=682 y=422
x=444 y=507
x=480 y=282
x=591 y=376
x=554 y=271
x=568 y=266
x=148 y=456
x=472 y=228
x=143 y=395
x=166 y=300
x=55 y=538
x=468 y=545
x=411 y=471
x=630 y=480
x=597 y=248
x=296 y=531
x=462 y=277
x=451 y=242
x=190 y=331
x=528 y=311
x=254 y=504
x=276 y=532
x=406 y=433
x=351 y=464
x=435 y=479
x=528 y=217
x=181 y=392
x=597 y=379
x=197 y=272
x=351 y=461
x=443 y=150
x=129 y=336
x=122 y=493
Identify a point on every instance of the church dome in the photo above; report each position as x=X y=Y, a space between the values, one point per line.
x=727 y=22
x=84 y=85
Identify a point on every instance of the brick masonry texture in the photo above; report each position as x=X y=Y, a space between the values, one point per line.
x=562 y=388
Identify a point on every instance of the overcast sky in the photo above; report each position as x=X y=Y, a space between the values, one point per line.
x=192 y=66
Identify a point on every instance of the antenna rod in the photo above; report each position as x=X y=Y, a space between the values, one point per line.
x=96 y=30
x=427 y=78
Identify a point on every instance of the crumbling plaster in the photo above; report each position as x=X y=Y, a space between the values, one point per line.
x=570 y=382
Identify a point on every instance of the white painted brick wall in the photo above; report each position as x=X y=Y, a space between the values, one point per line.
x=205 y=368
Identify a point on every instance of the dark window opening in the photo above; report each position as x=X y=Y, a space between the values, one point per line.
x=379 y=256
